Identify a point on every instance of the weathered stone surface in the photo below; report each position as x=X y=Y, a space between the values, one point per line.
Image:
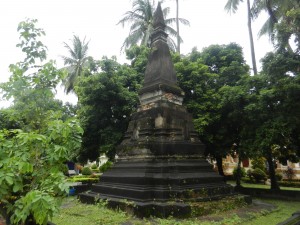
x=161 y=168
x=160 y=73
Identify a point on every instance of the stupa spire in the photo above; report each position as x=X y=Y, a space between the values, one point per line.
x=159 y=26
x=160 y=74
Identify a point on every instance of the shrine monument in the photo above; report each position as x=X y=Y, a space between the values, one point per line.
x=161 y=166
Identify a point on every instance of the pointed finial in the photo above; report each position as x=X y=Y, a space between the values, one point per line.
x=158 y=18
x=160 y=73
x=158 y=26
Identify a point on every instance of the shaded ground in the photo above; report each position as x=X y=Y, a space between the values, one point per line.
x=91 y=214
x=73 y=212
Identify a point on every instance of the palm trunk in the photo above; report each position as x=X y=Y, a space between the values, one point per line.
x=177 y=26
x=274 y=183
x=251 y=39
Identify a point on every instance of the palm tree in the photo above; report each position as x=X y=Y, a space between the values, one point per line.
x=75 y=62
x=271 y=8
x=277 y=11
x=141 y=20
x=232 y=6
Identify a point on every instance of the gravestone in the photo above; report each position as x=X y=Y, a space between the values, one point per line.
x=161 y=166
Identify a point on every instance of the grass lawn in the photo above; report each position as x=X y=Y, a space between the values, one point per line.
x=264 y=186
x=73 y=212
x=283 y=211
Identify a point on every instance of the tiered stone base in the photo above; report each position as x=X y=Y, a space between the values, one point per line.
x=159 y=187
x=161 y=170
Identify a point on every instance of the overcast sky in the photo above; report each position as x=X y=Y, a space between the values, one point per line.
x=96 y=20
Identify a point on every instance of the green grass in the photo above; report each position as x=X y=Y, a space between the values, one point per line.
x=73 y=212
x=264 y=186
x=283 y=212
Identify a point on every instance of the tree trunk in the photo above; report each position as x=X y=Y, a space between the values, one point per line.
x=238 y=173
x=220 y=165
x=177 y=26
x=251 y=39
x=274 y=183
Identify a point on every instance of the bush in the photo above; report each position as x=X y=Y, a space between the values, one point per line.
x=243 y=172
x=86 y=171
x=278 y=176
x=94 y=166
x=258 y=175
x=258 y=163
x=105 y=166
x=289 y=184
x=64 y=169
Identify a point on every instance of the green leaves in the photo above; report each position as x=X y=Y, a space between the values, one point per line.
x=29 y=44
x=32 y=156
x=77 y=62
x=30 y=168
x=141 y=24
x=36 y=205
x=212 y=82
x=25 y=167
x=106 y=101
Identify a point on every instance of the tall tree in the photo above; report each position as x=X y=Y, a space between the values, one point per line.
x=210 y=80
x=268 y=26
x=106 y=100
x=232 y=6
x=141 y=20
x=75 y=62
x=282 y=23
x=273 y=111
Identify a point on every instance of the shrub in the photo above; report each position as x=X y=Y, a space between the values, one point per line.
x=258 y=175
x=289 y=184
x=258 y=163
x=278 y=176
x=31 y=181
x=249 y=172
x=86 y=171
x=105 y=166
x=64 y=169
x=243 y=172
x=94 y=166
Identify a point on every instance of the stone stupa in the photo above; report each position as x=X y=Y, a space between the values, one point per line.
x=161 y=166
